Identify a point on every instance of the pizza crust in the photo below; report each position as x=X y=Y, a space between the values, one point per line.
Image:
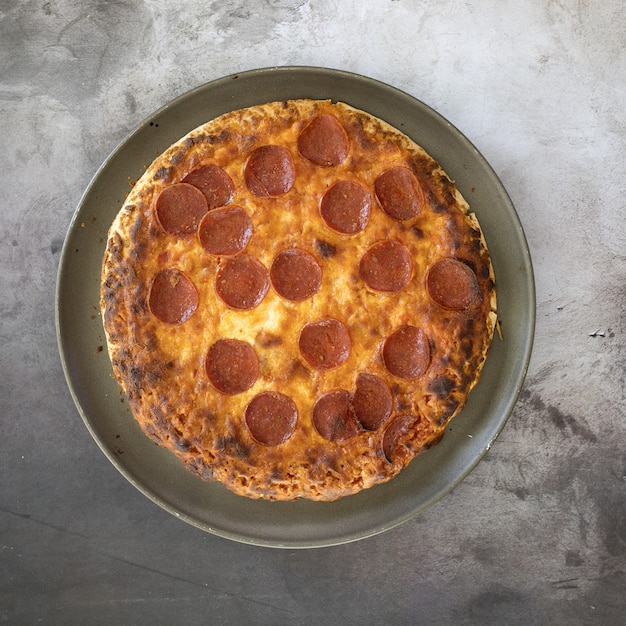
x=162 y=367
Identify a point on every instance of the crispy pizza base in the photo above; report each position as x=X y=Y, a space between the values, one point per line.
x=162 y=366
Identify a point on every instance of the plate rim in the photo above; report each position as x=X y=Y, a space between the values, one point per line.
x=337 y=538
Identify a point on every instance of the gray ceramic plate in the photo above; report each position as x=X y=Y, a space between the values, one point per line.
x=154 y=471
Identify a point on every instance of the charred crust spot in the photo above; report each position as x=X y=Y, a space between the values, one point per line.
x=469 y=264
x=447 y=189
x=325 y=458
x=299 y=370
x=238 y=448
x=164 y=174
x=135 y=230
x=418 y=232
x=160 y=420
x=134 y=378
x=153 y=230
x=220 y=137
x=178 y=157
x=139 y=252
x=431 y=199
x=467 y=347
x=192 y=141
x=268 y=340
x=153 y=377
x=475 y=246
x=401 y=405
x=448 y=410
x=358 y=134
x=422 y=167
x=151 y=431
x=325 y=249
x=109 y=294
x=139 y=306
x=439 y=190
x=437 y=206
x=114 y=248
x=442 y=386
x=231 y=445
x=206 y=473
x=195 y=465
x=181 y=444
x=429 y=444
x=152 y=343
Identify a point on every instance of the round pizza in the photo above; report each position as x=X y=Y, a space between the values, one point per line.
x=297 y=300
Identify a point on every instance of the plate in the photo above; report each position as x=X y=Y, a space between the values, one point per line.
x=154 y=470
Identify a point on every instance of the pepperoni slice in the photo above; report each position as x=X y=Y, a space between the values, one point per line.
x=372 y=401
x=395 y=436
x=325 y=345
x=406 y=352
x=270 y=171
x=386 y=266
x=232 y=366
x=242 y=282
x=173 y=297
x=214 y=183
x=333 y=416
x=271 y=418
x=452 y=285
x=295 y=274
x=399 y=193
x=225 y=231
x=324 y=141
x=179 y=208
x=345 y=207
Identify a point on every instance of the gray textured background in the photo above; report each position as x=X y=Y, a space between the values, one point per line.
x=537 y=533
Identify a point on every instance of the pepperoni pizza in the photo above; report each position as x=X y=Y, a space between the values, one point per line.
x=297 y=300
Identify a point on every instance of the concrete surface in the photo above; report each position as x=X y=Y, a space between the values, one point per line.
x=537 y=533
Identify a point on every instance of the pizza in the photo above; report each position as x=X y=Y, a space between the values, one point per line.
x=297 y=300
